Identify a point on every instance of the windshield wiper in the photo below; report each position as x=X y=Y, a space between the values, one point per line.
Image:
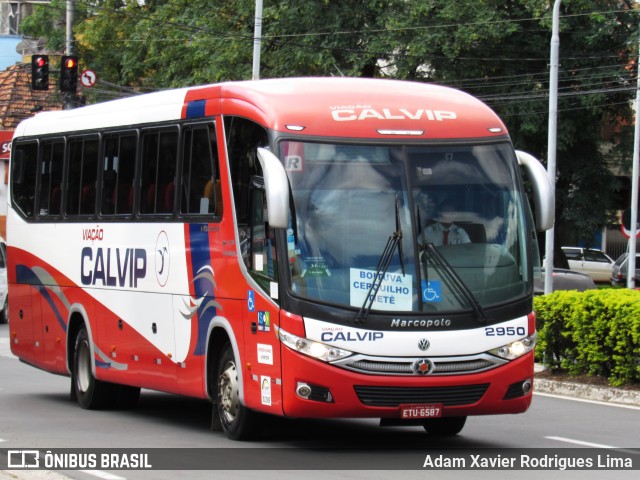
x=459 y=283
x=424 y=265
x=394 y=241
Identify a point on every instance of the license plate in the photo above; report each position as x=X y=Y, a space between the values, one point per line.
x=421 y=411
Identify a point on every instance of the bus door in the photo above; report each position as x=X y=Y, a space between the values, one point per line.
x=262 y=352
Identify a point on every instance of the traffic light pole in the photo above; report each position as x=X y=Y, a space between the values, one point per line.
x=69 y=50
x=69 y=98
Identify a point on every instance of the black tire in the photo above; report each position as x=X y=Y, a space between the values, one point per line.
x=4 y=314
x=237 y=421
x=445 y=427
x=90 y=393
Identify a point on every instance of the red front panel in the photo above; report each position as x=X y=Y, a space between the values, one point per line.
x=346 y=403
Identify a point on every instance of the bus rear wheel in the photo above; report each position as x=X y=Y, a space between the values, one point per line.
x=89 y=392
x=446 y=426
x=237 y=421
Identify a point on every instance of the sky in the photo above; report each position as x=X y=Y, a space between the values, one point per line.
x=8 y=54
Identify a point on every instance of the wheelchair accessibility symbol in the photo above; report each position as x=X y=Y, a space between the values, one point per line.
x=251 y=303
x=431 y=291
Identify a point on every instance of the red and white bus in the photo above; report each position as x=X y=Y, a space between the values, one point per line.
x=266 y=245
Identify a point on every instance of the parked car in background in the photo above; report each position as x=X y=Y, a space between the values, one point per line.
x=3 y=282
x=595 y=263
x=620 y=268
x=564 y=280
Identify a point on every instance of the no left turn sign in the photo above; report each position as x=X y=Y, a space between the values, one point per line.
x=88 y=78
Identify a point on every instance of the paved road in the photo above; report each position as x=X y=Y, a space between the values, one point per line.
x=35 y=412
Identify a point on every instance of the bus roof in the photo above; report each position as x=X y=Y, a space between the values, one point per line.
x=334 y=107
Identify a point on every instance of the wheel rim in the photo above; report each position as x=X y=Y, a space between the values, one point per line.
x=228 y=392
x=83 y=374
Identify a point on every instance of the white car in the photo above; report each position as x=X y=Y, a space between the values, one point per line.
x=595 y=263
x=3 y=282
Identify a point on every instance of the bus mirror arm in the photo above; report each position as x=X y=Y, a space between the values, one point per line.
x=542 y=190
x=277 y=187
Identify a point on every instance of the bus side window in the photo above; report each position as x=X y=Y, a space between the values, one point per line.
x=200 y=174
x=118 y=169
x=50 y=171
x=243 y=138
x=262 y=247
x=159 y=156
x=24 y=165
x=82 y=174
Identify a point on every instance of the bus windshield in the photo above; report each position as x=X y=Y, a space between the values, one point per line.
x=458 y=210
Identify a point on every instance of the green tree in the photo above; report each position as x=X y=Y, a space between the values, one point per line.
x=497 y=50
x=47 y=22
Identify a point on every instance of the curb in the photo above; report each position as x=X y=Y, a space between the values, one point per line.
x=588 y=392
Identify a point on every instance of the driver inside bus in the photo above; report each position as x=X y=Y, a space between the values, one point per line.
x=443 y=231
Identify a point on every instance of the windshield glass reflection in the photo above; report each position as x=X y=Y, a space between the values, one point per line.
x=463 y=201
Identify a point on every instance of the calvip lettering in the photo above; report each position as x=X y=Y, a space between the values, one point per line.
x=351 y=336
x=113 y=267
x=358 y=112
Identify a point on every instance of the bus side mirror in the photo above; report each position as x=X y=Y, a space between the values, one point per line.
x=276 y=185
x=542 y=191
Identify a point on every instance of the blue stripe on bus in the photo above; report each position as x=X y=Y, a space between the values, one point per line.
x=196 y=108
x=25 y=275
x=203 y=282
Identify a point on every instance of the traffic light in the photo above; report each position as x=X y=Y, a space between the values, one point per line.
x=69 y=74
x=39 y=72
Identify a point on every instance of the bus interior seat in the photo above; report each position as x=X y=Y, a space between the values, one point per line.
x=209 y=192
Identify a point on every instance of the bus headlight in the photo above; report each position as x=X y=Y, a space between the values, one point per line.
x=516 y=349
x=317 y=350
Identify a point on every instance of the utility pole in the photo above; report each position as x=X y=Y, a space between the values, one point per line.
x=69 y=98
x=257 y=40
x=552 y=137
x=633 y=227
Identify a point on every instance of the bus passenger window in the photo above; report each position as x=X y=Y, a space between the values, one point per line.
x=118 y=169
x=200 y=177
x=50 y=192
x=24 y=166
x=159 y=156
x=82 y=175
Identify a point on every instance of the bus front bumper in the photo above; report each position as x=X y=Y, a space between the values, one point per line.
x=313 y=389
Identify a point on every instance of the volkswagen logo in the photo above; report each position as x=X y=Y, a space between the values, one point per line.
x=423 y=366
x=423 y=344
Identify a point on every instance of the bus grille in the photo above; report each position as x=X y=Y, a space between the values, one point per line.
x=440 y=368
x=394 y=396
x=404 y=366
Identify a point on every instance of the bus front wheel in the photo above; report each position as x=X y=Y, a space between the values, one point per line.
x=89 y=392
x=237 y=421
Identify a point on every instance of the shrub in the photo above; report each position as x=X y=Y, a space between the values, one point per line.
x=596 y=332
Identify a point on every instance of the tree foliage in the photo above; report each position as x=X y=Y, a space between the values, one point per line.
x=497 y=50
